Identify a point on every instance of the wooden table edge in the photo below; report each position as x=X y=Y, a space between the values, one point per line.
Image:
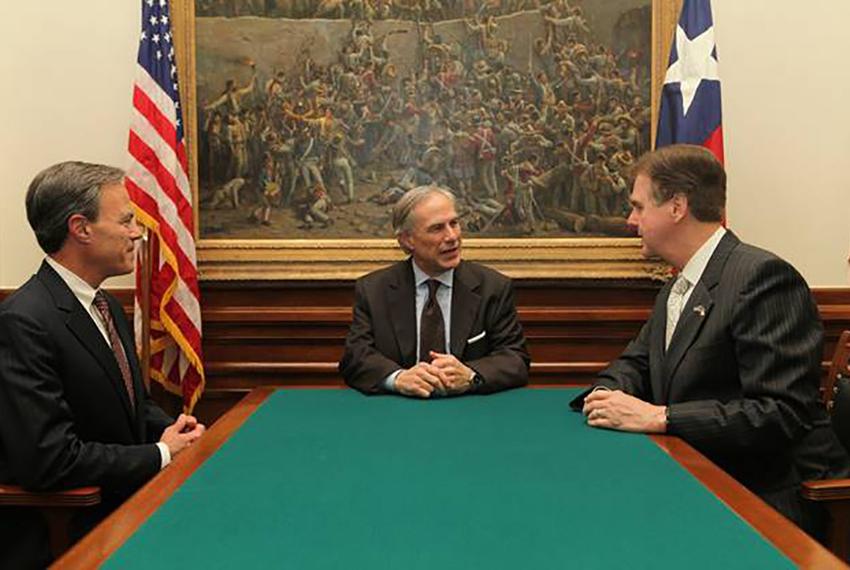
x=93 y=550
x=804 y=551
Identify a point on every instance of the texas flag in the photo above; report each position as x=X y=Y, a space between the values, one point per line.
x=690 y=98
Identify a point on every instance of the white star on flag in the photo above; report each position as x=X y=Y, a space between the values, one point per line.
x=695 y=64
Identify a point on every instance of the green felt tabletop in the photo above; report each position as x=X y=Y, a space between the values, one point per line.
x=333 y=479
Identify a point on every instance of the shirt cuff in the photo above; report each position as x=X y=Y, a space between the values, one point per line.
x=389 y=382
x=164 y=455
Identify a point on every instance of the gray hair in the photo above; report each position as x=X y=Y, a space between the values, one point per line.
x=402 y=218
x=62 y=190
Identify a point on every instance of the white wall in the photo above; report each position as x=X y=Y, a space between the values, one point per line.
x=786 y=106
x=66 y=95
x=786 y=118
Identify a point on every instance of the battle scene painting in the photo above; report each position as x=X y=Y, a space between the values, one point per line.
x=316 y=116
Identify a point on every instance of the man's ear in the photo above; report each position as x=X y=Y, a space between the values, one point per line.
x=405 y=242
x=79 y=228
x=679 y=209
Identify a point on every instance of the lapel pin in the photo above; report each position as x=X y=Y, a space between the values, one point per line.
x=700 y=310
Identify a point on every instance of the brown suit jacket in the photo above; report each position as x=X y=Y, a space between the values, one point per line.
x=382 y=337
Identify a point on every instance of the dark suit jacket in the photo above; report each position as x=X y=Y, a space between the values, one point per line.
x=65 y=416
x=741 y=375
x=382 y=337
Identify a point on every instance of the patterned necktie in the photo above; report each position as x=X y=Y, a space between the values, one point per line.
x=675 y=303
x=432 y=329
x=102 y=306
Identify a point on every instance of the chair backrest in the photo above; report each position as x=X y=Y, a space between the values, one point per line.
x=836 y=390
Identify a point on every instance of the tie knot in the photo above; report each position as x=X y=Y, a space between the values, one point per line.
x=681 y=285
x=100 y=302
x=433 y=285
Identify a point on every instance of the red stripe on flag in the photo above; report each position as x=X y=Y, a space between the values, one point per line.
x=147 y=157
x=169 y=236
x=184 y=323
x=160 y=123
x=714 y=143
x=192 y=383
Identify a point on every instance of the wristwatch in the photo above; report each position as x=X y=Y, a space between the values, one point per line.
x=475 y=380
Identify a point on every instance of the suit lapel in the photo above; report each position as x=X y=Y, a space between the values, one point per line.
x=402 y=308
x=81 y=325
x=465 y=304
x=656 y=353
x=694 y=314
x=696 y=310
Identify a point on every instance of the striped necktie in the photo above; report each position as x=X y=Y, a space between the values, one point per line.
x=102 y=306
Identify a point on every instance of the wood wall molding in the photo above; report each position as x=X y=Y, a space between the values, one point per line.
x=285 y=333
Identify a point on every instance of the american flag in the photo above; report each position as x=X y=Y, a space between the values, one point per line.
x=690 y=99
x=159 y=187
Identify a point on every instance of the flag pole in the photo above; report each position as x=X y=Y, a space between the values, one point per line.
x=145 y=267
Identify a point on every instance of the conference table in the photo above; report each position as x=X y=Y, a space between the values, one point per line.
x=329 y=478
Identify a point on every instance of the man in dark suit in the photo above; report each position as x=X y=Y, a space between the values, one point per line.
x=730 y=358
x=73 y=410
x=433 y=325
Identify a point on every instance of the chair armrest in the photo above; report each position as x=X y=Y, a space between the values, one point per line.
x=16 y=496
x=826 y=490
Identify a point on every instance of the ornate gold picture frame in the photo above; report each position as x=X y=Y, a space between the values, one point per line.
x=325 y=259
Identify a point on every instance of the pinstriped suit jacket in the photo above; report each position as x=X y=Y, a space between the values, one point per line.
x=742 y=371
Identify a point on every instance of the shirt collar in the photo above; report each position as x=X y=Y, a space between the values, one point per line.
x=420 y=277
x=696 y=264
x=82 y=291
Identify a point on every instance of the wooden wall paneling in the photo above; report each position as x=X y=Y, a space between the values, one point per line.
x=286 y=333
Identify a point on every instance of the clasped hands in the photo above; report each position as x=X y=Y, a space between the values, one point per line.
x=614 y=409
x=444 y=375
x=182 y=433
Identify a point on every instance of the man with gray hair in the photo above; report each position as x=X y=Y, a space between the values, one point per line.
x=433 y=325
x=73 y=410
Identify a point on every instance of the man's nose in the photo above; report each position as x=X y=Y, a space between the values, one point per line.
x=135 y=230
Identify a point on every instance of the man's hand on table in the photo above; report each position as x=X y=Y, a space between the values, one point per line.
x=444 y=375
x=614 y=409
x=421 y=381
x=457 y=377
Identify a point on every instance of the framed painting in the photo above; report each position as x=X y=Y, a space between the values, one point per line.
x=308 y=119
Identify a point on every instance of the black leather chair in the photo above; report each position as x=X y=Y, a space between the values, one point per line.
x=835 y=493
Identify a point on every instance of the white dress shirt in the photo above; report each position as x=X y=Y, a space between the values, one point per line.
x=444 y=299
x=695 y=266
